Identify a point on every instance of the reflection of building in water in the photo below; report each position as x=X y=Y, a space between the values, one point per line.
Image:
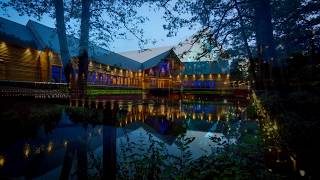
x=31 y=53
x=140 y=111
x=143 y=112
x=162 y=120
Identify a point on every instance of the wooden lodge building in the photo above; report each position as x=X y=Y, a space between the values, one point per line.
x=31 y=53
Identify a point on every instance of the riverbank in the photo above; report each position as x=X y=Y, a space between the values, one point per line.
x=291 y=127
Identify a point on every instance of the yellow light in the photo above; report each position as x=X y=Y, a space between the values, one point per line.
x=219 y=76
x=150 y=107
x=140 y=108
x=186 y=76
x=28 y=51
x=228 y=75
x=50 y=147
x=2 y=161
x=129 y=107
x=275 y=127
x=162 y=109
x=3 y=44
x=27 y=150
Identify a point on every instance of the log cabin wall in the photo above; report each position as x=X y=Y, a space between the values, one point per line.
x=23 y=64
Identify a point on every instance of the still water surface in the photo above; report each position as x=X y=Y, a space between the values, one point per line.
x=123 y=138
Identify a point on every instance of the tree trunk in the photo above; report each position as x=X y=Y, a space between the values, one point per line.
x=264 y=38
x=264 y=30
x=84 y=46
x=62 y=36
x=85 y=20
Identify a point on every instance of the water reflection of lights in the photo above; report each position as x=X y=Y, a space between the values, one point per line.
x=65 y=143
x=162 y=109
x=27 y=150
x=2 y=161
x=50 y=147
x=100 y=131
x=150 y=107
x=302 y=173
x=120 y=105
x=129 y=107
x=140 y=107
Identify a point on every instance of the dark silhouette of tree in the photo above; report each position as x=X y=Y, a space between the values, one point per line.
x=263 y=31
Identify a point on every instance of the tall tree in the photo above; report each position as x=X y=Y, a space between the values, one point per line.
x=263 y=30
x=256 y=29
x=62 y=36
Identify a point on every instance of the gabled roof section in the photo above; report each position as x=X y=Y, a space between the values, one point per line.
x=16 y=33
x=146 y=54
x=206 y=67
x=156 y=60
x=149 y=57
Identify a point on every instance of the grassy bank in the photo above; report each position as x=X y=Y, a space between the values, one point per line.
x=98 y=92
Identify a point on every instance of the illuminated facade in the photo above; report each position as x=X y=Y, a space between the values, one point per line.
x=30 y=53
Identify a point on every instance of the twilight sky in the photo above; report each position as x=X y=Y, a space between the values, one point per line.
x=153 y=30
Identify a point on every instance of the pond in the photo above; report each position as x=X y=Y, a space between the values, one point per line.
x=130 y=138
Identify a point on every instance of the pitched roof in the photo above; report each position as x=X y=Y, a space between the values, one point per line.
x=16 y=33
x=39 y=36
x=155 y=60
x=146 y=54
x=115 y=59
x=48 y=38
x=148 y=57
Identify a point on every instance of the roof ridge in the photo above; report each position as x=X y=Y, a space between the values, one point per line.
x=12 y=21
x=32 y=21
x=146 y=49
